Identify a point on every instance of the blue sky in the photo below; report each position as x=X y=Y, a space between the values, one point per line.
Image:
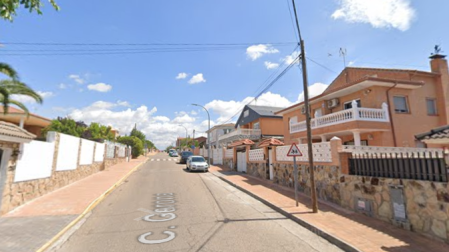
x=121 y=89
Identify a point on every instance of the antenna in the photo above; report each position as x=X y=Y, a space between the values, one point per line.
x=343 y=54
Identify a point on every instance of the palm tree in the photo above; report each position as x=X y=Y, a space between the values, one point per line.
x=13 y=86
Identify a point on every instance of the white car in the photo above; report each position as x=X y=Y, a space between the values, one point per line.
x=196 y=163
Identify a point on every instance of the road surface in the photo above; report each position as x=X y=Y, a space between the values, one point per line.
x=162 y=207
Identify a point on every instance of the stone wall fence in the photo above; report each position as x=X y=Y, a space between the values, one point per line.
x=420 y=206
x=37 y=168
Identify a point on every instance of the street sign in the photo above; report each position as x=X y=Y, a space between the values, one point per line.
x=294 y=151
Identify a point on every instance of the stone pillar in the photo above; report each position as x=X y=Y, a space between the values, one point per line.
x=336 y=148
x=357 y=140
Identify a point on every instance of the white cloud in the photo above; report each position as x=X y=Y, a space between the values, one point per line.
x=100 y=87
x=227 y=109
x=256 y=51
x=197 y=78
x=181 y=76
x=314 y=90
x=62 y=86
x=396 y=14
x=123 y=103
x=27 y=99
x=78 y=79
x=271 y=65
x=161 y=130
x=290 y=58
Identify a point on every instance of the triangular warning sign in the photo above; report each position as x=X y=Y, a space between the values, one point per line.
x=294 y=151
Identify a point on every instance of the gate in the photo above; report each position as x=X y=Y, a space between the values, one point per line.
x=270 y=163
x=241 y=161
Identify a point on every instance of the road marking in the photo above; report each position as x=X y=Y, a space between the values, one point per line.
x=162 y=210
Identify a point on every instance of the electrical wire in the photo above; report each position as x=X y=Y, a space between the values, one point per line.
x=277 y=78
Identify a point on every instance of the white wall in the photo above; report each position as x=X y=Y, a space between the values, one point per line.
x=67 y=153
x=99 y=152
x=35 y=162
x=87 y=152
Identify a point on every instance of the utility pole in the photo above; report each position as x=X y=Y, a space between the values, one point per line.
x=307 y=107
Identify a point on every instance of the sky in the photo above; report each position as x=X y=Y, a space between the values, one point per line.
x=146 y=62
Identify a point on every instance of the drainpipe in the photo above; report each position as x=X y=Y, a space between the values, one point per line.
x=389 y=111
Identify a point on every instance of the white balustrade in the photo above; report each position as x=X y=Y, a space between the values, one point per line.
x=248 y=133
x=347 y=115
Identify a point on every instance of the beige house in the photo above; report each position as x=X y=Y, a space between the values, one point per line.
x=32 y=123
x=374 y=106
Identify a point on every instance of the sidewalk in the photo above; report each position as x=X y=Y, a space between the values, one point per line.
x=30 y=226
x=346 y=229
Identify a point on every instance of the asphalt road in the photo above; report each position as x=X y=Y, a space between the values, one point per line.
x=162 y=207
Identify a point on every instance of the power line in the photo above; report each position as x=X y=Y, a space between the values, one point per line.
x=277 y=78
x=291 y=18
x=321 y=65
x=143 y=44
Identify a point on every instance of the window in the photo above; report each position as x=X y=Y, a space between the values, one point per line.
x=400 y=104
x=317 y=112
x=293 y=119
x=348 y=105
x=256 y=126
x=431 y=106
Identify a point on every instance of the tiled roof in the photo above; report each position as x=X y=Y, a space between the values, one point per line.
x=434 y=134
x=241 y=143
x=271 y=142
x=13 y=110
x=11 y=130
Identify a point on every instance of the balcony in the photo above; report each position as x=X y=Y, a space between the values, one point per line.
x=348 y=115
x=253 y=134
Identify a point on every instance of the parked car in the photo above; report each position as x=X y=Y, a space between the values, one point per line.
x=184 y=156
x=197 y=163
x=172 y=153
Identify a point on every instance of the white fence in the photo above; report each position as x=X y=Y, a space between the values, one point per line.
x=121 y=151
x=388 y=151
x=229 y=153
x=321 y=153
x=36 y=161
x=67 y=153
x=87 y=152
x=217 y=156
x=99 y=152
x=256 y=155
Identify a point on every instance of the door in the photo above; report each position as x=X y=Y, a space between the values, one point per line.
x=270 y=164
x=241 y=161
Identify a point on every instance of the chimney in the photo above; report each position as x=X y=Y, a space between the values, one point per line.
x=438 y=65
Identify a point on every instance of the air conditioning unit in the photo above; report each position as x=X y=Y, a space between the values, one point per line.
x=333 y=103
x=303 y=110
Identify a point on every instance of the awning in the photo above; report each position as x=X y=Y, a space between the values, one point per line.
x=241 y=143
x=271 y=142
x=12 y=133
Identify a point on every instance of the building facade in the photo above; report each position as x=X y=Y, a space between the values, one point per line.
x=372 y=106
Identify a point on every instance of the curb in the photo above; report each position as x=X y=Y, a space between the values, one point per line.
x=332 y=239
x=88 y=209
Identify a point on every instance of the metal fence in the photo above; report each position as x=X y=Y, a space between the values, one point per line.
x=399 y=165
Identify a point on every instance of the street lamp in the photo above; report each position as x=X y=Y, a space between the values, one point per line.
x=208 y=132
x=186 y=135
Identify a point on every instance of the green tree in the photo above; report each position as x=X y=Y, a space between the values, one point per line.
x=13 y=86
x=139 y=134
x=169 y=148
x=8 y=7
x=66 y=126
x=134 y=142
x=98 y=131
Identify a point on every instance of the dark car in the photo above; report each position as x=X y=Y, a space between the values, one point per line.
x=184 y=156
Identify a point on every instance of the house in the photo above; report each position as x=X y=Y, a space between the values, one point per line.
x=375 y=106
x=201 y=140
x=438 y=137
x=255 y=123
x=217 y=131
x=32 y=123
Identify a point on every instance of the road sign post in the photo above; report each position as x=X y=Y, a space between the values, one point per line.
x=295 y=152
